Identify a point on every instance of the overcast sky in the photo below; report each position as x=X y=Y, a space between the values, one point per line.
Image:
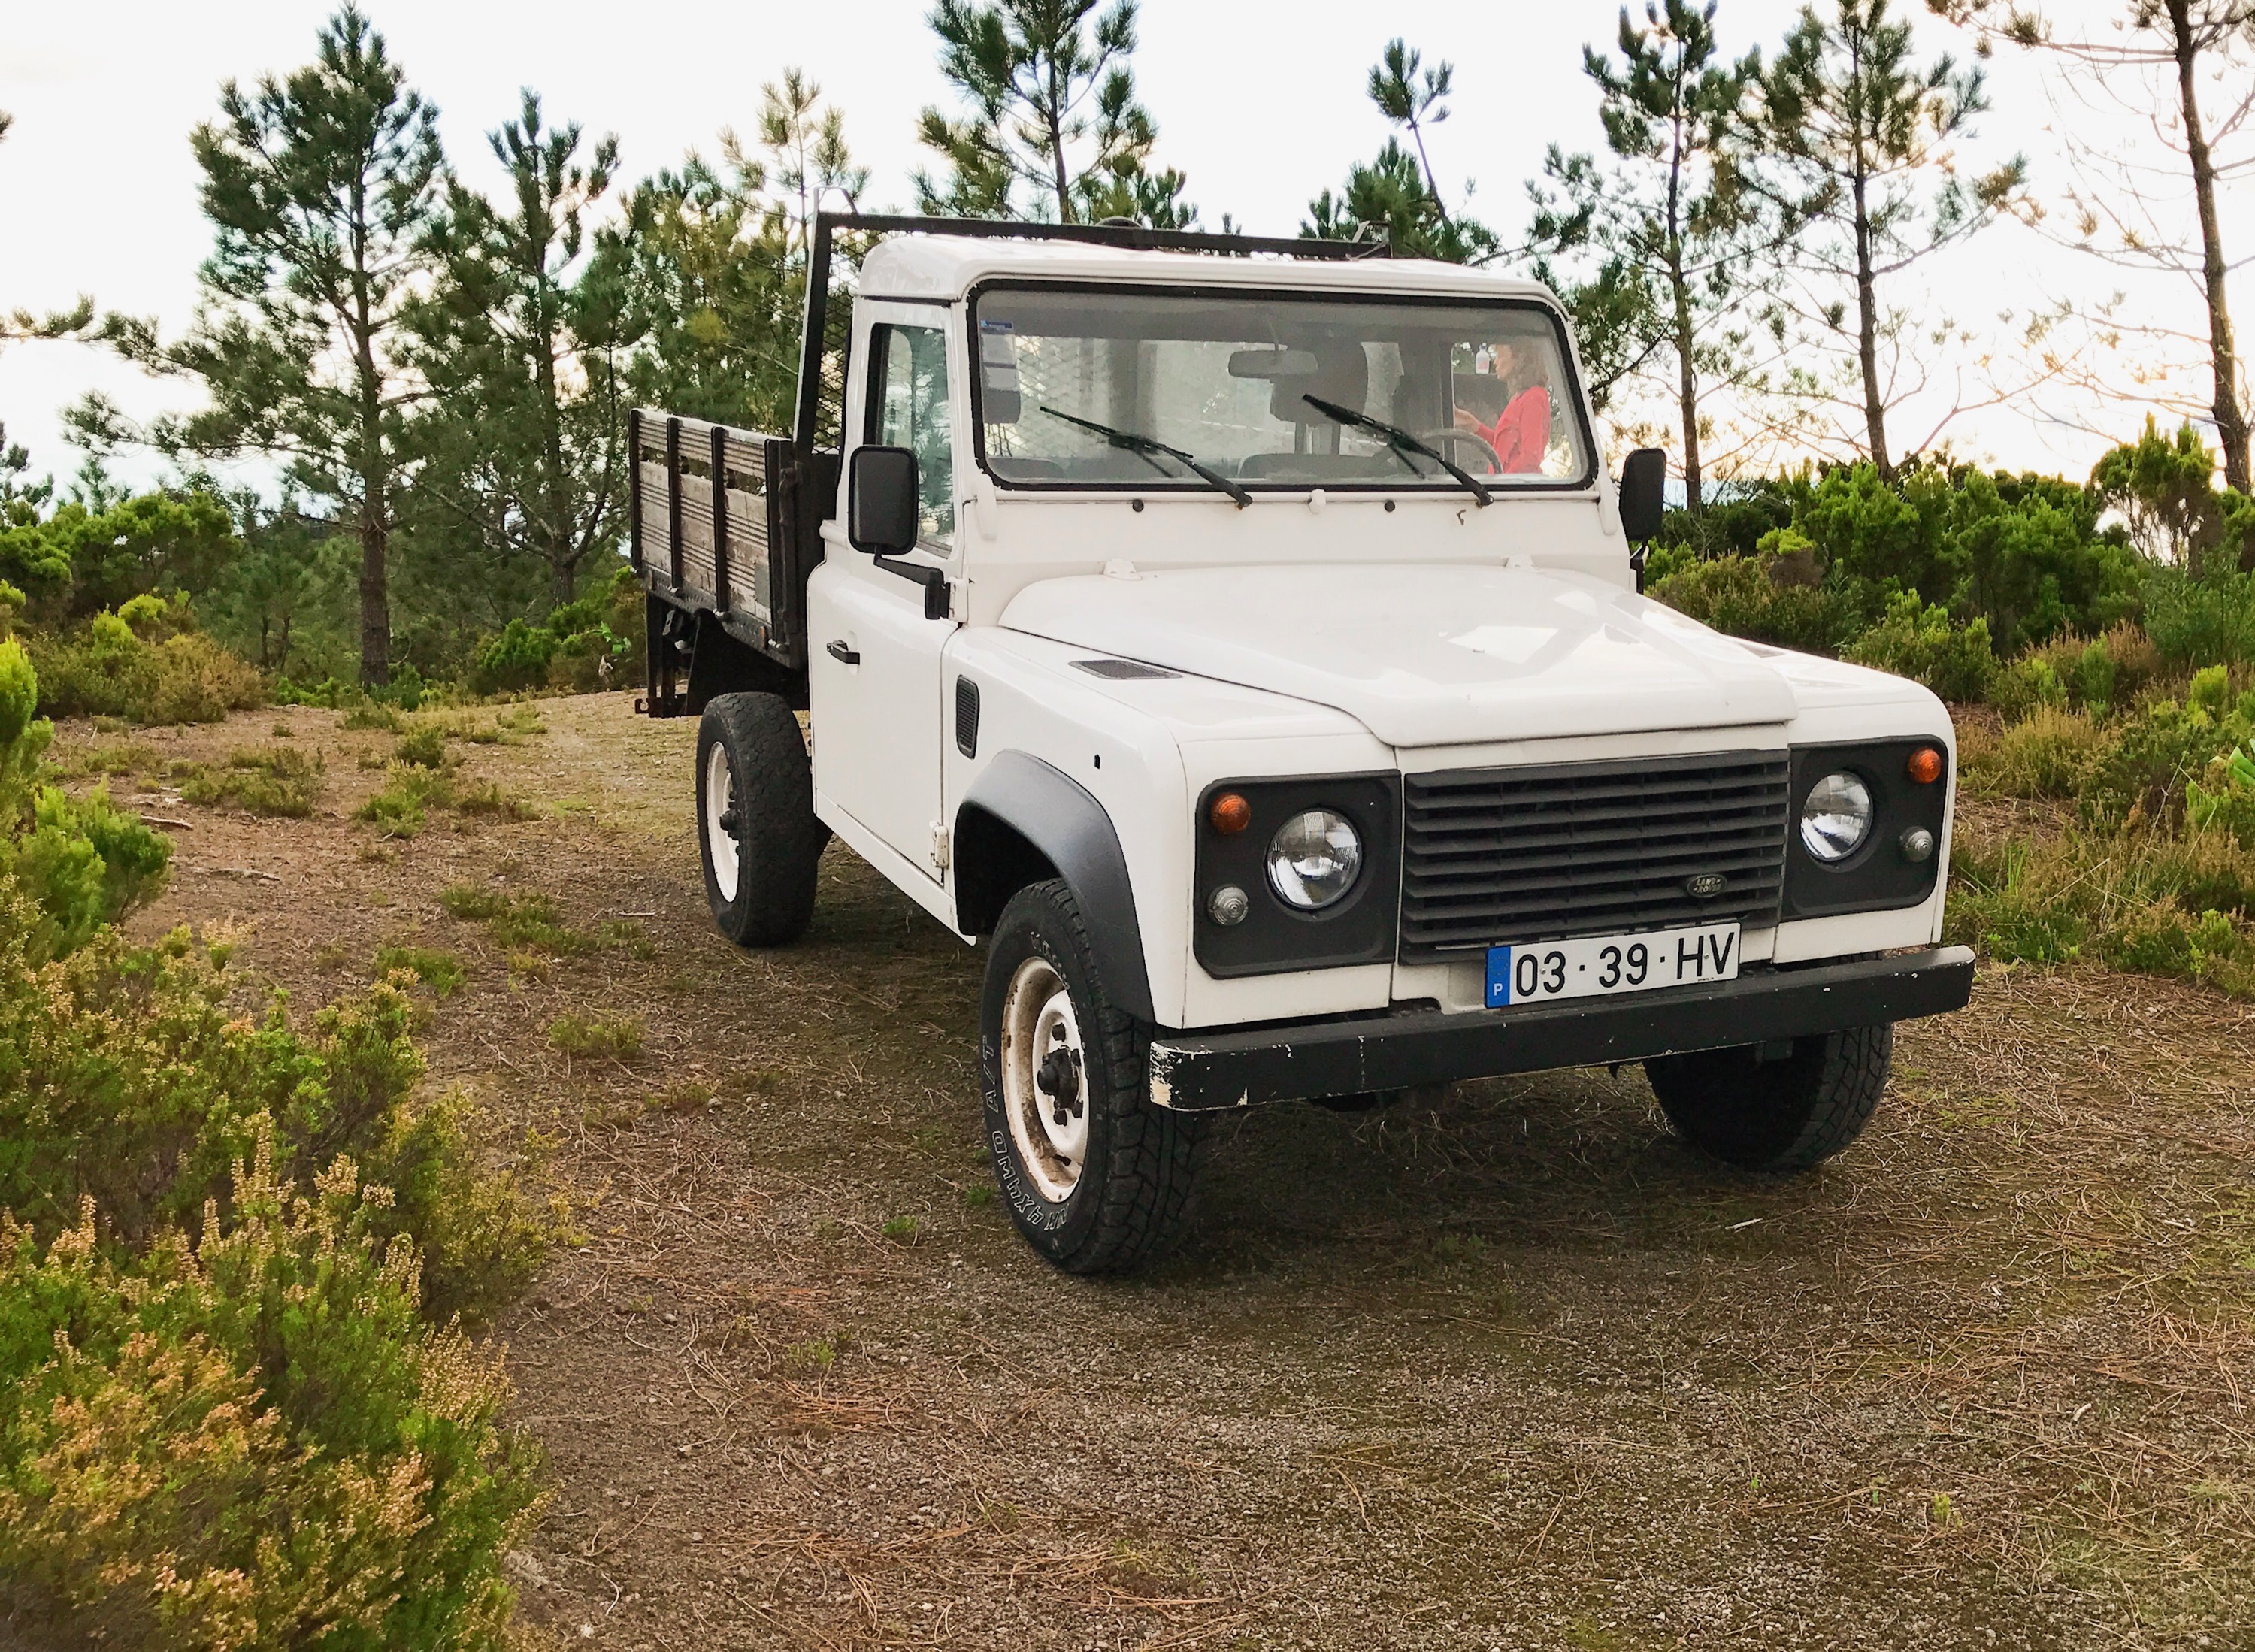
x=1262 y=104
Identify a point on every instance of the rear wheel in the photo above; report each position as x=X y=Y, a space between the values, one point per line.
x=756 y=834
x=1098 y=1180
x=1784 y=1112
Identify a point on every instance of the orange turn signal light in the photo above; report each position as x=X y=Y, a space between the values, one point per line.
x=1925 y=765
x=1229 y=813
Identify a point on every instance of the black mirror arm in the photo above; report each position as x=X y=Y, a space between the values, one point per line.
x=934 y=581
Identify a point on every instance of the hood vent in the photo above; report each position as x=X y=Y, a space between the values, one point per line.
x=1121 y=671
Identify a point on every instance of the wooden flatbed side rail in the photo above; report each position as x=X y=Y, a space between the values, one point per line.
x=711 y=524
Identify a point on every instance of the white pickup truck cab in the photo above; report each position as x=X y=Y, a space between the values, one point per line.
x=1247 y=651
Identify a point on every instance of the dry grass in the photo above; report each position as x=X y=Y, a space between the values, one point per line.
x=1512 y=1369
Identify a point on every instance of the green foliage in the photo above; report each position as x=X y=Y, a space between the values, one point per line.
x=2136 y=900
x=2159 y=751
x=82 y=560
x=1669 y=216
x=1922 y=643
x=422 y=746
x=2052 y=753
x=435 y=968
x=104 y=668
x=2200 y=621
x=521 y=342
x=401 y=809
x=2165 y=488
x=604 y=1034
x=68 y=866
x=2021 y=553
x=515 y=659
x=255 y=1442
x=1743 y=596
x=277 y=780
x=1031 y=74
x=518 y=922
x=2227 y=803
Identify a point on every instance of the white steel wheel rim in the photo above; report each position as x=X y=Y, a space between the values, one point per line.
x=719 y=798
x=1039 y=1024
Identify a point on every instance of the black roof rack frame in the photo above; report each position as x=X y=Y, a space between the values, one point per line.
x=1135 y=236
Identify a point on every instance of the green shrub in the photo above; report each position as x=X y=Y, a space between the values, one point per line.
x=105 y=670
x=606 y=1033
x=2154 y=756
x=258 y=1440
x=255 y=1442
x=2227 y=803
x=1739 y=595
x=517 y=658
x=1923 y=643
x=2049 y=754
x=401 y=809
x=517 y=922
x=2004 y=904
x=423 y=746
x=439 y=970
x=68 y=866
x=279 y=780
x=2200 y=622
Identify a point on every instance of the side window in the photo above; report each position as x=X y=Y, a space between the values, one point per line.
x=908 y=408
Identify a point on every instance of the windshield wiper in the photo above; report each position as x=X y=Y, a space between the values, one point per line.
x=1401 y=441
x=1145 y=447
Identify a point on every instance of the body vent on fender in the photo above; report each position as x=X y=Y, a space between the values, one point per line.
x=1121 y=671
x=966 y=716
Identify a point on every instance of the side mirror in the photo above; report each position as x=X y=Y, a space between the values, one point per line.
x=881 y=500
x=1644 y=476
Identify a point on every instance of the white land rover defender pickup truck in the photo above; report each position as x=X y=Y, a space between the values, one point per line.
x=1242 y=638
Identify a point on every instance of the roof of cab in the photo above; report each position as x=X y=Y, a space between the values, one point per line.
x=941 y=268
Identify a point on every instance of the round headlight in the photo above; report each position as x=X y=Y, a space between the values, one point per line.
x=1836 y=816
x=1313 y=859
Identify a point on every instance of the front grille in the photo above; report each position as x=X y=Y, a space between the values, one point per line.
x=1527 y=854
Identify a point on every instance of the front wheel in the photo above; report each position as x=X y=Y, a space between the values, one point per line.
x=1098 y=1180
x=1785 y=1112
x=757 y=832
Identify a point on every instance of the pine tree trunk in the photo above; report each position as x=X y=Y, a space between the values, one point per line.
x=1688 y=389
x=1867 y=337
x=2230 y=421
x=374 y=599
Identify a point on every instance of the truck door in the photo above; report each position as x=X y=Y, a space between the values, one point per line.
x=873 y=663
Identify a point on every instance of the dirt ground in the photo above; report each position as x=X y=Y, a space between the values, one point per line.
x=1516 y=1372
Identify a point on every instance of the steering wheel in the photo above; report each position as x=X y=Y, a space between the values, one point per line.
x=1483 y=460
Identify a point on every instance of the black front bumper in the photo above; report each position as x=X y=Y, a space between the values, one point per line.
x=1207 y=1072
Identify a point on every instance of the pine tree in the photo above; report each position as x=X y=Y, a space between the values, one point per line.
x=1052 y=109
x=521 y=343
x=1673 y=213
x=322 y=188
x=1394 y=197
x=2158 y=66
x=1860 y=128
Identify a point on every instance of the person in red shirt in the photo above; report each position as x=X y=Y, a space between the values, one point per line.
x=1514 y=420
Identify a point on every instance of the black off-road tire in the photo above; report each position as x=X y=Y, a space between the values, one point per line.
x=1137 y=1177
x=770 y=817
x=1779 y=1114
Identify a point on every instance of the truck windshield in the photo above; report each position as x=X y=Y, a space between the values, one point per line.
x=1242 y=382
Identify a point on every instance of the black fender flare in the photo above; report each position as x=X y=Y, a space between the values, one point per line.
x=1057 y=816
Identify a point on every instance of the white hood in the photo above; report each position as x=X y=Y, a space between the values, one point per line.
x=1424 y=654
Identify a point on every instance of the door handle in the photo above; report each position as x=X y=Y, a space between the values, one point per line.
x=843 y=655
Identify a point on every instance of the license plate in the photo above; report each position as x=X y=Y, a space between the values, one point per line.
x=1601 y=965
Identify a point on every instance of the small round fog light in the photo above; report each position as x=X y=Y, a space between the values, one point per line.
x=1917 y=844
x=1227 y=905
